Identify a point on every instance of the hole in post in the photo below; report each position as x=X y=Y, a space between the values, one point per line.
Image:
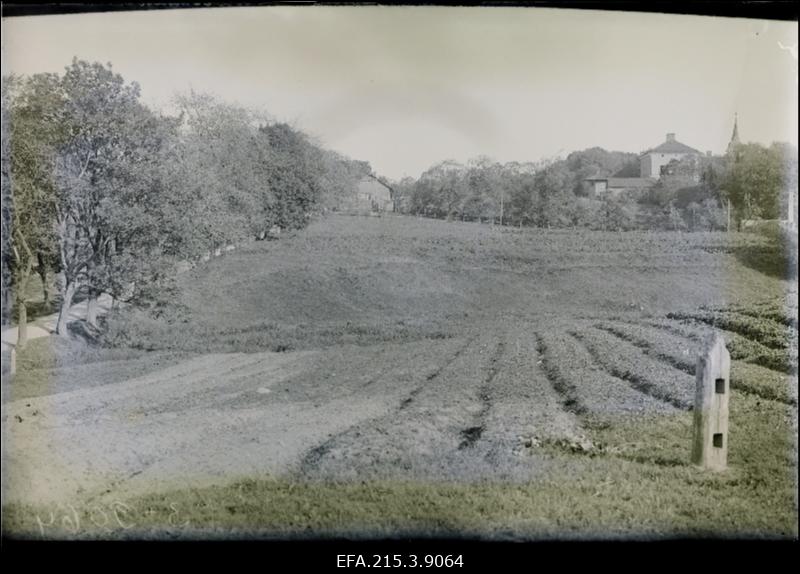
x=720 y=386
x=717 y=440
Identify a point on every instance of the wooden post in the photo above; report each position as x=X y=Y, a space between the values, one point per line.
x=728 y=228
x=710 y=447
x=13 y=368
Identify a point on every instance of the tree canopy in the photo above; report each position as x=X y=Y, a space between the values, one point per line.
x=112 y=195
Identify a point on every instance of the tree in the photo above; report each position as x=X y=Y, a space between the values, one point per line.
x=618 y=213
x=787 y=157
x=442 y=191
x=404 y=194
x=116 y=216
x=554 y=194
x=6 y=210
x=31 y=108
x=226 y=160
x=98 y=116
x=522 y=197
x=295 y=174
x=755 y=180
x=151 y=218
x=339 y=177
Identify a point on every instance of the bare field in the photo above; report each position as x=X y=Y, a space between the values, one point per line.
x=420 y=359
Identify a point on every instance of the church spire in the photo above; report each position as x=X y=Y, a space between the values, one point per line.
x=735 y=136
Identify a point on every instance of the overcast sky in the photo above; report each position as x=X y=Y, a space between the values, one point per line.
x=406 y=87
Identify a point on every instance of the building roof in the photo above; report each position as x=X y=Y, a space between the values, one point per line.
x=624 y=181
x=368 y=178
x=672 y=146
x=631 y=182
x=374 y=186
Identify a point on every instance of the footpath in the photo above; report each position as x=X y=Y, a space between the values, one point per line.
x=46 y=326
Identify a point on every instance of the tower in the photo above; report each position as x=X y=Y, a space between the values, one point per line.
x=734 y=143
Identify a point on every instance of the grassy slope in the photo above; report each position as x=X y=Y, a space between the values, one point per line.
x=363 y=280
x=403 y=279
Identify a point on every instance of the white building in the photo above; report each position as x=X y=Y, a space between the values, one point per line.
x=652 y=161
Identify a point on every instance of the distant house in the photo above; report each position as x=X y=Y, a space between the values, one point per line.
x=616 y=185
x=372 y=194
x=653 y=164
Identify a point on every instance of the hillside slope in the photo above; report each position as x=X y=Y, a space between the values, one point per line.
x=352 y=279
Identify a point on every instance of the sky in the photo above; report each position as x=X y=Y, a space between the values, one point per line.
x=407 y=87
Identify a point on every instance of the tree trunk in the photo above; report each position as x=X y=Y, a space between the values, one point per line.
x=63 y=314
x=41 y=269
x=91 y=308
x=22 y=289
x=45 y=292
x=22 y=329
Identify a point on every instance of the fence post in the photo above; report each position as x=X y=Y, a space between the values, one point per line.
x=710 y=446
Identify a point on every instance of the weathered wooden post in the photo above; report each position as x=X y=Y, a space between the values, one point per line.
x=728 y=228
x=710 y=448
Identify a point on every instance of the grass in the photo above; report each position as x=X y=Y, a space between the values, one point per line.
x=643 y=488
x=348 y=279
x=740 y=347
x=765 y=331
x=135 y=331
x=56 y=364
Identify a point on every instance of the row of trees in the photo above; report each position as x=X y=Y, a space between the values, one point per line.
x=110 y=195
x=692 y=195
x=543 y=193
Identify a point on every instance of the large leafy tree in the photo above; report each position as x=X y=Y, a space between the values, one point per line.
x=101 y=115
x=295 y=174
x=31 y=112
x=225 y=163
x=119 y=214
x=756 y=180
x=443 y=190
x=6 y=211
x=149 y=217
x=554 y=196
